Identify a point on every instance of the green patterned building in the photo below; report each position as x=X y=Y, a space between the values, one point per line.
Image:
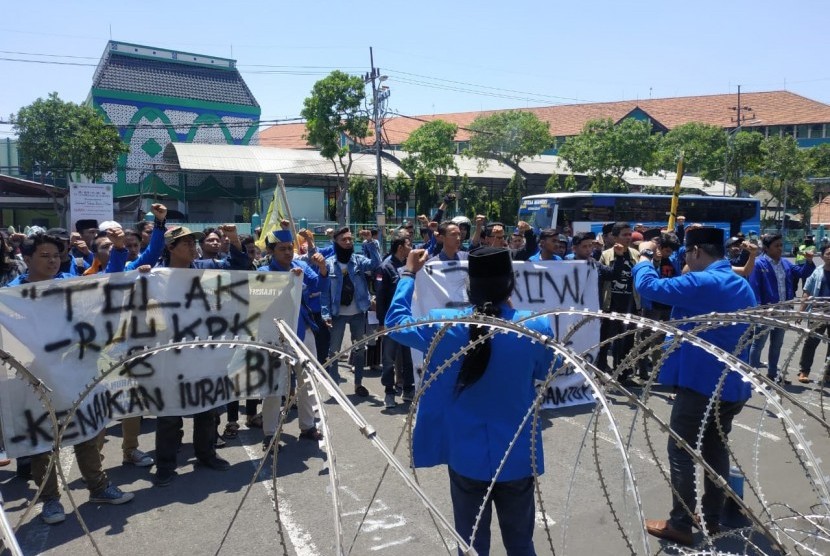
x=158 y=96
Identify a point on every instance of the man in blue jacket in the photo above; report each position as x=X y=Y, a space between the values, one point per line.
x=773 y=279
x=346 y=300
x=280 y=247
x=42 y=254
x=711 y=286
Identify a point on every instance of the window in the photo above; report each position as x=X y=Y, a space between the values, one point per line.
x=801 y=131
x=816 y=131
x=774 y=131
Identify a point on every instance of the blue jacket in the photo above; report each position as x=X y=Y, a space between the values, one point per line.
x=237 y=260
x=152 y=253
x=24 y=278
x=358 y=266
x=765 y=285
x=538 y=257
x=312 y=284
x=715 y=289
x=471 y=431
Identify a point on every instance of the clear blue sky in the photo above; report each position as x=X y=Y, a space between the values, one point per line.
x=440 y=56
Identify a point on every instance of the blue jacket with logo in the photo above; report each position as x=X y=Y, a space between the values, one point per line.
x=719 y=289
x=765 y=284
x=312 y=284
x=471 y=431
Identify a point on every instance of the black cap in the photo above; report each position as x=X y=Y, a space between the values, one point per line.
x=548 y=232
x=734 y=240
x=59 y=233
x=341 y=231
x=85 y=224
x=652 y=233
x=701 y=236
x=489 y=262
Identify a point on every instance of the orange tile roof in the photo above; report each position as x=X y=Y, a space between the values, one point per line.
x=766 y=109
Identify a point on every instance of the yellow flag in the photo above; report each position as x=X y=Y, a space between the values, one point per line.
x=272 y=219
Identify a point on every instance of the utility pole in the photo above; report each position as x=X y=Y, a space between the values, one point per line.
x=739 y=120
x=379 y=95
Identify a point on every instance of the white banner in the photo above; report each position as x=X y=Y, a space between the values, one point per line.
x=540 y=286
x=90 y=201
x=66 y=332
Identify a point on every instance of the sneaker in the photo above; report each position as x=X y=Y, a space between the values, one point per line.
x=138 y=458
x=52 y=512
x=164 y=477
x=389 y=401
x=111 y=495
x=408 y=395
x=215 y=462
x=266 y=442
x=361 y=391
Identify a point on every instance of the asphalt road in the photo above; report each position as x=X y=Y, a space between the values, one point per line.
x=587 y=502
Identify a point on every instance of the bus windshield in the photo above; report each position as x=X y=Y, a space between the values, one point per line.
x=589 y=211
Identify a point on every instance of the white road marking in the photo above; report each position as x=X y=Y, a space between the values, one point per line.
x=767 y=435
x=300 y=539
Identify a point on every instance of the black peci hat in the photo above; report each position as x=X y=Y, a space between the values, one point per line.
x=85 y=224
x=490 y=262
x=653 y=233
x=701 y=236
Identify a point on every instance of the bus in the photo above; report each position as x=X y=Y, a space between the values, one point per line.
x=585 y=212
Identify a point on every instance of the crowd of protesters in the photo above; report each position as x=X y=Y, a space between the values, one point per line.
x=346 y=288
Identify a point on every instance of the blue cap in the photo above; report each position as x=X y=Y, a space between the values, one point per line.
x=280 y=236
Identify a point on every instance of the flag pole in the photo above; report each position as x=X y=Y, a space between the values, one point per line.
x=284 y=195
x=675 y=198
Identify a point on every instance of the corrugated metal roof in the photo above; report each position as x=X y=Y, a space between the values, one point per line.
x=272 y=160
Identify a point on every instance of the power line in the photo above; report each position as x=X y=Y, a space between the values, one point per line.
x=49 y=55
x=47 y=62
x=485 y=86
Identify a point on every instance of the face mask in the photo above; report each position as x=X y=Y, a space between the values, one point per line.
x=343 y=255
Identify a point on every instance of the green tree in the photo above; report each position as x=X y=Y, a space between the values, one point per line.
x=362 y=199
x=704 y=148
x=606 y=151
x=472 y=198
x=426 y=191
x=401 y=187
x=431 y=148
x=743 y=156
x=818 y=161
x=66 y=138
x=508 y=137
x=334 y=115
x=556 y=185
x=784 y=167
x=510 y=198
